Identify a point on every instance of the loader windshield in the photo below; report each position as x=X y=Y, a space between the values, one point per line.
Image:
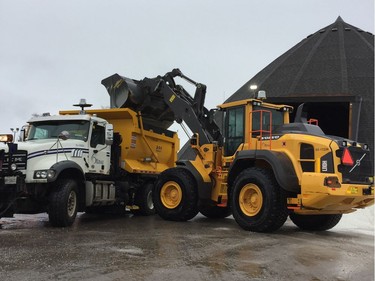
x=77 y=129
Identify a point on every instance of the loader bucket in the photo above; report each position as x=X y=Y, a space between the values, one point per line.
x=123 y=92
x=137 y=95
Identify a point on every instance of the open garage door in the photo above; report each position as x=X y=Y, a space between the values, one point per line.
x=338 y=115
x=333 y=118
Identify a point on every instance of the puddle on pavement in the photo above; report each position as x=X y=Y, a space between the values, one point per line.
x=131 y=251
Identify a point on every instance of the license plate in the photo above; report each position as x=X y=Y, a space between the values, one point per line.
x=10 y=180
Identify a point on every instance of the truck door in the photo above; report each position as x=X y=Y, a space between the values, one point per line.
x=100 y=153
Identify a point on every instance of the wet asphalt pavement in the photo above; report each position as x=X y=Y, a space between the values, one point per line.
x=103 y=247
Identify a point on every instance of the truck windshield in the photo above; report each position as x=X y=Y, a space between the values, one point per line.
x=77 y=129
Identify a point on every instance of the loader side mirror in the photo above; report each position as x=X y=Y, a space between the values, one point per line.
x=108 y=134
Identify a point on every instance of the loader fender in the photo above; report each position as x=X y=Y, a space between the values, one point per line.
x=204 y=188
x=280 y=163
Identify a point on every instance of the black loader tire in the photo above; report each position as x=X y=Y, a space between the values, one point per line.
x=175 y=195
x=258 y=203
x=315 y=222
x=63 y=203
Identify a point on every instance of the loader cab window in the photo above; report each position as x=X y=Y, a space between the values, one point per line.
x=234 y=129
x=97 y=135
x=266 y=124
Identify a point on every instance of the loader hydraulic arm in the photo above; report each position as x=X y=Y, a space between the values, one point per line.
x=161 y=101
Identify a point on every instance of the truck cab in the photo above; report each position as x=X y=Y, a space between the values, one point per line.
x=81 y=139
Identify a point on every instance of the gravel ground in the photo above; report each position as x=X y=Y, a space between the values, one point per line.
x=105 y=247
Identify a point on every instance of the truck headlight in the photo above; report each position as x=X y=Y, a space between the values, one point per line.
x=13 y=167
x=44 y=174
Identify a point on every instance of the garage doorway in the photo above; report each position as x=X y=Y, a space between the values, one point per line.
x=337 y=115
x=333 y=118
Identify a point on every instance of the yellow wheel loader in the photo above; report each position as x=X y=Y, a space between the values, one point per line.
x=255 y=164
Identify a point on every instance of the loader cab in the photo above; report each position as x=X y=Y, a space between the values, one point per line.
x=249 y=122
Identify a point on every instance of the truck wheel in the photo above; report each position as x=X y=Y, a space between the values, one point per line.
x=143 y=199
x=175 y=195
x=258 y=203
x=63 y=203
x=315 y=222
x=215 y=212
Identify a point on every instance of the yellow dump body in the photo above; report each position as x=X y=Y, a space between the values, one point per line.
x=142 y=151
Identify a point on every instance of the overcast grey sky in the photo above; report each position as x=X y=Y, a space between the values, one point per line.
x=53 y=53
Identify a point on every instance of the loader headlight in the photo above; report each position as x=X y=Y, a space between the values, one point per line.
x=44 y=174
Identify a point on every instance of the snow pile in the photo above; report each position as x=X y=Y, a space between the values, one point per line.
x=363 y=219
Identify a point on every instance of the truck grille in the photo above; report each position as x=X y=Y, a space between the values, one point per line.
x=19 y=158
x=361 y=170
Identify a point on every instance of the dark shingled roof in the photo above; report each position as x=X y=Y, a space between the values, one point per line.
x=334 y=62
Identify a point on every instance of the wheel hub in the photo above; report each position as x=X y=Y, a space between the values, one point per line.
x=171 y=194
x=72 y=203
x=251 y=200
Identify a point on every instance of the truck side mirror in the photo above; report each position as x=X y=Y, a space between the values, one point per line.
x=24 y=132
x=108 y=134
